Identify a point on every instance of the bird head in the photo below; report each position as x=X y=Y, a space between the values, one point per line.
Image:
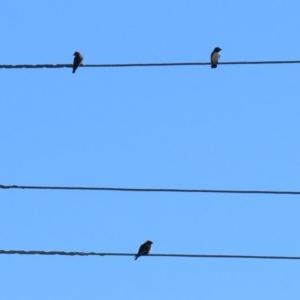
x=76 y=53
x=150 y=242
x=217 y=49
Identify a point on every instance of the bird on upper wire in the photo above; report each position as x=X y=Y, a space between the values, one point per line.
x=78 y=58
x=214 y=57
x=144 y=249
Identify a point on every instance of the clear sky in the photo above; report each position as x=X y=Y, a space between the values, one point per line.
x=234 y=127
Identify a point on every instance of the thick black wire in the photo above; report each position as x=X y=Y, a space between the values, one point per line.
x=29 y=66
x=22 y=252
x=112 y=189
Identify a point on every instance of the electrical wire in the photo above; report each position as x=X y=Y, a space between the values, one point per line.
x=64 y=253
x=178 y=64
x=160 y=190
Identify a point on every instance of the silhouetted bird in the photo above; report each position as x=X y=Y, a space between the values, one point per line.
x=77 y=60
x=144 y=249
x=214 y=57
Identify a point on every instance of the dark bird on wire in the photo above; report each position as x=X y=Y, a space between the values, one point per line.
x=144 y=249
x=214 y=57
x=77 y=60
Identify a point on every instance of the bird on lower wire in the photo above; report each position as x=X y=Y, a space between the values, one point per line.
x=144 y=249
x=77 y=60
x=214 y=57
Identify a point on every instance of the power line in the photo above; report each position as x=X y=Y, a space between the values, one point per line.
x=22 y=252
x=51 y=66
x=171 y=190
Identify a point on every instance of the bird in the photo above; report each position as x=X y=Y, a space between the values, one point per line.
x=214 y=57
x=77 y=60
x=144 y=249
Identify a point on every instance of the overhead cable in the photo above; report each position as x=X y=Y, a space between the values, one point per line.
x=126 y=65
x=159 y=190
x=74 y=253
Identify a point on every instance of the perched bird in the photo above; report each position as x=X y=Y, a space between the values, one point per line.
x=214 y=57
x=144 y=249
x=77 y=60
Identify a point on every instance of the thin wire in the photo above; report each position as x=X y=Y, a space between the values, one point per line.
x=22 y=252
x=28 y=66
x=115 y=189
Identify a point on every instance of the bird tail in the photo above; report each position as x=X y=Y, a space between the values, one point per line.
x=136 y=257
x=213 y=66
x=73 y=71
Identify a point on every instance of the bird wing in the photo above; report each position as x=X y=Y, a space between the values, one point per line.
x=144 y=249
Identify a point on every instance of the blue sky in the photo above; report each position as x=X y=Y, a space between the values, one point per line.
x=235 y=127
